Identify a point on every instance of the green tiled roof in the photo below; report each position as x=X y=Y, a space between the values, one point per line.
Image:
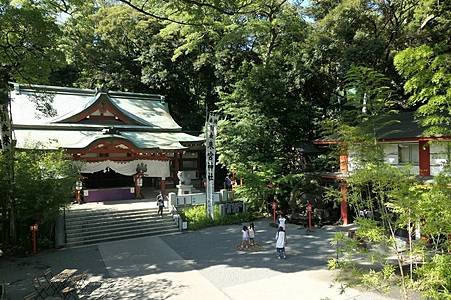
x=399 y=126
x=147 y=110
x=155 y=128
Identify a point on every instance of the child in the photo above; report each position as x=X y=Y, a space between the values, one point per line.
x=280 y=243
x=251 y=234
x=282 y=221
x=245 y=242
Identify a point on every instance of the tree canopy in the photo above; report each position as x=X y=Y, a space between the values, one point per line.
x=280 y=73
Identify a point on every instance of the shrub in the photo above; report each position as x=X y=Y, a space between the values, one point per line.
x=435 y=277
x=197 y=218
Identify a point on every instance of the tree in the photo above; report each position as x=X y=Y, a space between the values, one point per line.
x=117 y=47
x=425 y=65
x=43 y=185
x=266 y=113
x=428 y=75
x=28 y=53
x=28 y=48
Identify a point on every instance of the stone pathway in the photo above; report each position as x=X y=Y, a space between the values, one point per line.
x=203 y=264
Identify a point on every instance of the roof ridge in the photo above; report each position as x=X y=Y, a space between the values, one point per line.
x=18 y=87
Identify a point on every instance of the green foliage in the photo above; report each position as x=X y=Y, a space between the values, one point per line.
x=369 y=91
x=428 y=75
x=264 y=122
x=380 y=280
x=28 y=42
x=370 y=231
x=43 y=185
x=397 y=200
x=435 y=207
x=197 y=218
x=434 y=278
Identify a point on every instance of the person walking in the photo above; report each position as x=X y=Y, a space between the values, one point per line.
x=160 y=203
x=281 y=241
x=245 y=240
x=228 y=183
x=282 y=221
x=251 y=234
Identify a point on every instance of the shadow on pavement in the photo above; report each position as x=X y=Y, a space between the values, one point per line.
x=213 y=251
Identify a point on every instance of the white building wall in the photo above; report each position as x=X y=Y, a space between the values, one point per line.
x=390 y=153
x=439 y=157
x=391 y=156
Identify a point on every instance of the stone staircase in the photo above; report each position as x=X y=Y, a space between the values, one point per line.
x=84 y=227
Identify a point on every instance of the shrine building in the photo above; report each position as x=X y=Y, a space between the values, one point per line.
x=109 y=135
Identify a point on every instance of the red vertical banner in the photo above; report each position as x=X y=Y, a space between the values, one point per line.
x=424 y=158
x=344 y=203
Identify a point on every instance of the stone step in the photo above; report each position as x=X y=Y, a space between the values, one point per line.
x=93 y=226
x=123 y=235
x=89 y=229
x=110 y=208
x=113 y=221
x=88 y=212
x=112 y=215
x=117 y=231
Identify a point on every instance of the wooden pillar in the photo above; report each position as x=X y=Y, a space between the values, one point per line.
x=344 y=202
x=425 y=158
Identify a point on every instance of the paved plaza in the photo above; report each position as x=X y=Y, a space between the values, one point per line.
x=203 y=264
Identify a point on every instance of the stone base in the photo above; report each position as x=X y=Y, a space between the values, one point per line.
x=183 y=189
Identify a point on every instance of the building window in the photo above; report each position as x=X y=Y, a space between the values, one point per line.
x=408 y=154
x=104 y=155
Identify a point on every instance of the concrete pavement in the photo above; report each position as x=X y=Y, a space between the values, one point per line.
x=203 y=264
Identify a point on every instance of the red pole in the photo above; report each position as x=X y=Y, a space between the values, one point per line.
x=309 y=213
x=344 y=203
